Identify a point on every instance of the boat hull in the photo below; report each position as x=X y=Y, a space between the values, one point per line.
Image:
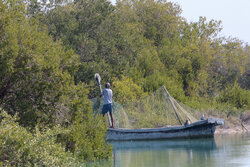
x=204 y=128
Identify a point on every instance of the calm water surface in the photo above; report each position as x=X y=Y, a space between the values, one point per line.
x=221 y=151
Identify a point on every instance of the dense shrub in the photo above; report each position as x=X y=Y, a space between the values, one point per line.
x=57 y=146
x=19 y=147
x=88 y=138
x=236 y=96
x=37 y=85
x=125 y=90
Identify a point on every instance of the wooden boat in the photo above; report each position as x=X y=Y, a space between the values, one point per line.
x=203 y=128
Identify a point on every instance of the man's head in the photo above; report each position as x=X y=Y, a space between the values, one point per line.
x=107 y=85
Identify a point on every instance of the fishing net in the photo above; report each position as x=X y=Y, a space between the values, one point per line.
x=158 y=109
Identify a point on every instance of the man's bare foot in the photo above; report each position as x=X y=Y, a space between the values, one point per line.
x=111 y=127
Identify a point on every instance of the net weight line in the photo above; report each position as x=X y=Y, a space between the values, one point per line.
x=174 y=104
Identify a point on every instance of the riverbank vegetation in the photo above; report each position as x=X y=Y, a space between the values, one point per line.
x=50 y=51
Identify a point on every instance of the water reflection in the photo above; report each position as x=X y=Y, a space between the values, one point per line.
x=208 y=152
x=163 y=153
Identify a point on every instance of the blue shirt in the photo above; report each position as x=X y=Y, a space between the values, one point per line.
x=107 y=94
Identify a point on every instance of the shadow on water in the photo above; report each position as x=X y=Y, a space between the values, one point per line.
x=220 y=151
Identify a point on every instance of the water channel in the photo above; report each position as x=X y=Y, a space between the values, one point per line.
x=220 y=151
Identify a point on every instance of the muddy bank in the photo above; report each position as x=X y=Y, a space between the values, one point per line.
x=235 y=124
x=232 y=130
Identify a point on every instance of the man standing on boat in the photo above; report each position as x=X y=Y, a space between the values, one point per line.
x=107 y=106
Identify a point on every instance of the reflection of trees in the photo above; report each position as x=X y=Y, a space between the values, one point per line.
x=168 y=157
x=122 y=158
x=165 y=153
x=103 y=163
x=221 y=151
x=233 y=149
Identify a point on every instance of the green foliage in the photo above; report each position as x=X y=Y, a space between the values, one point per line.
x=236 y=97
x=159 y=18
x=150 y=43
x=19 y=147
x=126 y=90
x=34 y=68
x=37 y=84
x=84 y=139
x=88 y=135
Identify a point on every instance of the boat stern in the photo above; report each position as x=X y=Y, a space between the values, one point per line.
x=216 y=121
